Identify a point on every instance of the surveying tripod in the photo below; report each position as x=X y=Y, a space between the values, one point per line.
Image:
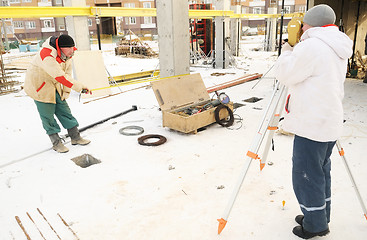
x=268 y=126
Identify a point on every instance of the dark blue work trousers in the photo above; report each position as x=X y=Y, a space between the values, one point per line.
x=312 y=181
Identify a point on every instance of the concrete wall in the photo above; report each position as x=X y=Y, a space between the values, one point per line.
x=349 y=15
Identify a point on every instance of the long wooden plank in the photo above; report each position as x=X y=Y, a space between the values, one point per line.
x=234 y=82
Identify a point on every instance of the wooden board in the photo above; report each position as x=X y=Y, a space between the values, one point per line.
x=90 y=70
x=176 y=92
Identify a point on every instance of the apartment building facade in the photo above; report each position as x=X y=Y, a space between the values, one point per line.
x=37 y=28
x=42 y=28
x=122 y=25
x=262 y=7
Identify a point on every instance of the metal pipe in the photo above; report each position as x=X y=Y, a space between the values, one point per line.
x=238 y=37
x=341 y=24
x=355 y=35
x=192 y=40
x=98 y=22
x=281 y=29
x=213 y=50
x=224 y=44
x=133 y=108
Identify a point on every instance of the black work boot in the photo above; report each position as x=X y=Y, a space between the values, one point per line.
x=299 y=219
x=302 y=233
x=57 y=143
x=76 y=139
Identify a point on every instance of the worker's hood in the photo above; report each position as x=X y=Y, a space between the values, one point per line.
x=337 y=40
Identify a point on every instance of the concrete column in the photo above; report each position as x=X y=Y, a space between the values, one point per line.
x=235 y=31
x=77 y=27
x=173 y=37
x=311 y=3
x=222 y=35
x=271 y=31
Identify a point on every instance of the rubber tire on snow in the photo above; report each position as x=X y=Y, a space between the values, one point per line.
x=161 y=140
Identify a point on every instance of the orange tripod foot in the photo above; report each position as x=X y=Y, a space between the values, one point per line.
x=222 y=224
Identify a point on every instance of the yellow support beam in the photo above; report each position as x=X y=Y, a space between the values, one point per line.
x=209 y=13
x=132 y=76
x=37 y=12
x=137 y=81
x=248 y=15
x=123 y=12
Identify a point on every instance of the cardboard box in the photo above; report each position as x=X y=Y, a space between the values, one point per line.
x=178 y=95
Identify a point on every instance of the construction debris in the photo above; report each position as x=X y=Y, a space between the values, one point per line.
x=361 y=67
x=39 y=220
x=219 y=74
x=85 y=160
x=6 y=83
x=252 y=100
x=134 y=48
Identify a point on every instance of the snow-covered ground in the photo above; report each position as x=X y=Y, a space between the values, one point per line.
x=179 y=189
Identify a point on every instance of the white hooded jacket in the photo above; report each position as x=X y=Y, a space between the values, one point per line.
x=314 y=73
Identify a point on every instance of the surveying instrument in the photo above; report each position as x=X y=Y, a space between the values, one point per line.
x=268 y=126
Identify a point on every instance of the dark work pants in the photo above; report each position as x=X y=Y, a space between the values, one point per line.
x=61 y=110
x=312 y=181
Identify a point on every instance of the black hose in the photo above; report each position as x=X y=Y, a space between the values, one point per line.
x=224 y=122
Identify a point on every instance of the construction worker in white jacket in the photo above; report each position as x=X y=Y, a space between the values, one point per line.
x=314 y=70
x=48 y=81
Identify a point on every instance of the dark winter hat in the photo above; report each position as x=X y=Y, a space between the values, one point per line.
x=65 y=41
x=320 y=15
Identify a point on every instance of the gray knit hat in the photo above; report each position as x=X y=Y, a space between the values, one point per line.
x=319 y=16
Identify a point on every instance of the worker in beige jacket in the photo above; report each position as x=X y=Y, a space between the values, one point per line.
x=48 y=81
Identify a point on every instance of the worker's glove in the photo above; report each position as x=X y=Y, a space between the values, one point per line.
x=86 y=91
x=286 y=47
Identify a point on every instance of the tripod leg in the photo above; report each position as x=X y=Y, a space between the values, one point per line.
x=273 y=126
x=252 y=152
x=341 y=153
